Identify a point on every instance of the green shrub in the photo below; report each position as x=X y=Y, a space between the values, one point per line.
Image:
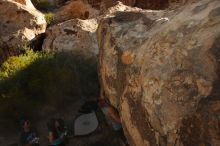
x=49 y=18
x=15 y=63
x=35 y=79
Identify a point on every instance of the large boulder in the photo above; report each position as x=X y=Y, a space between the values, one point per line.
x=75 y=36
x=75 y=9
x=160 y=69
x=20 y=23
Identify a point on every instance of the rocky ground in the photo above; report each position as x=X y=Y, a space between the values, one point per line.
x=102 y=136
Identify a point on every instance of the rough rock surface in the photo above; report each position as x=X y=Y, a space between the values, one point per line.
x=75 y=35
x=75 y=9
x=161 y=70
x=152 y=4
x=20 y=23
x=144 y=4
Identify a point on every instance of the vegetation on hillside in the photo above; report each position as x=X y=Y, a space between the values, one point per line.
x=49 y=17
x=35 y=79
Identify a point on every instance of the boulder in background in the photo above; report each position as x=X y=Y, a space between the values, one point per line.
x=20 y=23
x=76 y=9
x=75 y=36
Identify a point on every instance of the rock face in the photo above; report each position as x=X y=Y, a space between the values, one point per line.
x=144 y=4
x=76 y=36
x=161 y=70
x=152 y=4
x=20 y=23
x=93 y=8
x=75 y=9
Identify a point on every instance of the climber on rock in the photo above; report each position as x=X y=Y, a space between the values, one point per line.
x=113 y=118
x=111 y=114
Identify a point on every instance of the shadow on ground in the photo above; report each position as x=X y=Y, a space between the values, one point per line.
x=51 y=79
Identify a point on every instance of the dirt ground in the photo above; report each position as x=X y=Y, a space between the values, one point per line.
x=103 y=136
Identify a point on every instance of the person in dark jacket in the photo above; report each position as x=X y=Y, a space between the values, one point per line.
x=29 y=136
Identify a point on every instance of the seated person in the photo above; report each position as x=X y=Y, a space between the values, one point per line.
x=57 y=131
x=61 y=129
x=29 y=136
x=54 y=139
